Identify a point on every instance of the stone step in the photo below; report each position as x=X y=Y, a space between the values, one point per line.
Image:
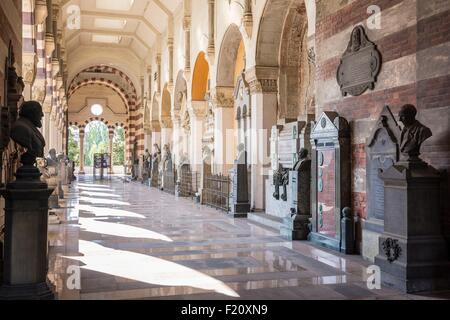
x=266 y=220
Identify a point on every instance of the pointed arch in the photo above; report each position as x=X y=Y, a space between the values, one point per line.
x=200 y=78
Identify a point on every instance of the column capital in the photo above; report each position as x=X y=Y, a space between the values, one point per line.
x=170 y=43
x=222 y=97
x=187 y=23
x=40 y=12
x=262 y=79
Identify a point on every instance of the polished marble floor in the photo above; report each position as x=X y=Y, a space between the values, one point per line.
x=121 y=240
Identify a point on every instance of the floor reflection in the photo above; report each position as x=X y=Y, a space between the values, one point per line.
x=104 y=201
x=109 y=212
x=144 y=268
x=99 y=194
x=119 y=230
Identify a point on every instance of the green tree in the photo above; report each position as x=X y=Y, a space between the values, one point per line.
x=119 y=147
x=95 y=141
x=74 y=145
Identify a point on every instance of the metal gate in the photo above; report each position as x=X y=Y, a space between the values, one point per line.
x=216 y=192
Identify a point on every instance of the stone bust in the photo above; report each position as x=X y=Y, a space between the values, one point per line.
x=413 y=134
x=302 y=157
x=242 y=155
x=52 y=159
x=167 y=162
x=25 y=130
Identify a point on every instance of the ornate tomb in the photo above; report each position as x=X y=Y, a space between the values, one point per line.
x=382 y=150
x=413 y=255
x=360 y=64
x=331 y=173
x=286 y=142
x=240 y=205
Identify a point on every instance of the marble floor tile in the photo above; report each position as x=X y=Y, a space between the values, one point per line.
x=128 y=241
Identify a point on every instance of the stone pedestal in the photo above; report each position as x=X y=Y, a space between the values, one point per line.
x=413 y=255
x=240 y=204
x=295 y=227
x=25 y=254
x=296 y=223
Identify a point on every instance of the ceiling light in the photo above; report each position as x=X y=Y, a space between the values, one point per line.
x=96 y=109
x=117 y=5
x=110 y=23
x=106 y=38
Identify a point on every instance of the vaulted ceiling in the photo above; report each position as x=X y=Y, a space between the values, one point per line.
x=107 y=26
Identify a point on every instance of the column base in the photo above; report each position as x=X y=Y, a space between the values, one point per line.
x=39 y=291
x=295 y=227
x=240 y=210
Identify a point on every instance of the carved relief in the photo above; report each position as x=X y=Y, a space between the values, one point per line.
x=360 y=64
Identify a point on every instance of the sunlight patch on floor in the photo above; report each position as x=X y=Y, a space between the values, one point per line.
x=119 y=230
x=146 y=269
x=103 y=201
x=109 y=212
x=99 y=194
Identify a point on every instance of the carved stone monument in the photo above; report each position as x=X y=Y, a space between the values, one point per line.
x=285 y=143
x=413 y=255
x=156 y=159
x=383 y=150
x=167 y=165
x=331 y=174
x=360 y=64
x=296 y=225
x=50 y=174
x=240 y=205
x=26 y=215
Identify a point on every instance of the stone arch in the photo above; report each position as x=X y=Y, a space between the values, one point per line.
x=228 y=55
x=155 y=114
x=200 y=78
x=270 y=29
x=296 y=71
x=109 y=76
x=166 y=108
x=180 y=92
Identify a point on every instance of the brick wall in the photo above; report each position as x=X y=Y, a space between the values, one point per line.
x=414 y=41
x=11 y=30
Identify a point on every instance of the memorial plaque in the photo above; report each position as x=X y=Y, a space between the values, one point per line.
x=382 y=153
x=330 y=175
x=360 y=64
x=326 y=195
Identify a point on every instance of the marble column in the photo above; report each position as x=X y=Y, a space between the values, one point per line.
x=176 y=138
x=198 y=116
x=224 y=120
x=264 y=115
x=81 y=171
x=158 y=63
x=170 y=47
x=111 y=140
x=247 y=19
x=211 y=29
x=187 y=45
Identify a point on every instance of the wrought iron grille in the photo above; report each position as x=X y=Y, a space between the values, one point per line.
x=188 y=183
x=216 y=192
x=169 y=181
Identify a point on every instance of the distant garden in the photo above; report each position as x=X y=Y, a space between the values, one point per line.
x=96 y=140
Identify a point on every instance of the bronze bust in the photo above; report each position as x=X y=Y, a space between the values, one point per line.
x=25 y=130
x=302 y=157
x=413 y=134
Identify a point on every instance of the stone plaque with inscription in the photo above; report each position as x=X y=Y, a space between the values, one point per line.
x=360 y=64
x=330 y=176
x=382 y=152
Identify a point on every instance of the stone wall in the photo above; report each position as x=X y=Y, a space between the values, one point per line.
x=414 y=41
x=11 y=22
x=11 y=31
